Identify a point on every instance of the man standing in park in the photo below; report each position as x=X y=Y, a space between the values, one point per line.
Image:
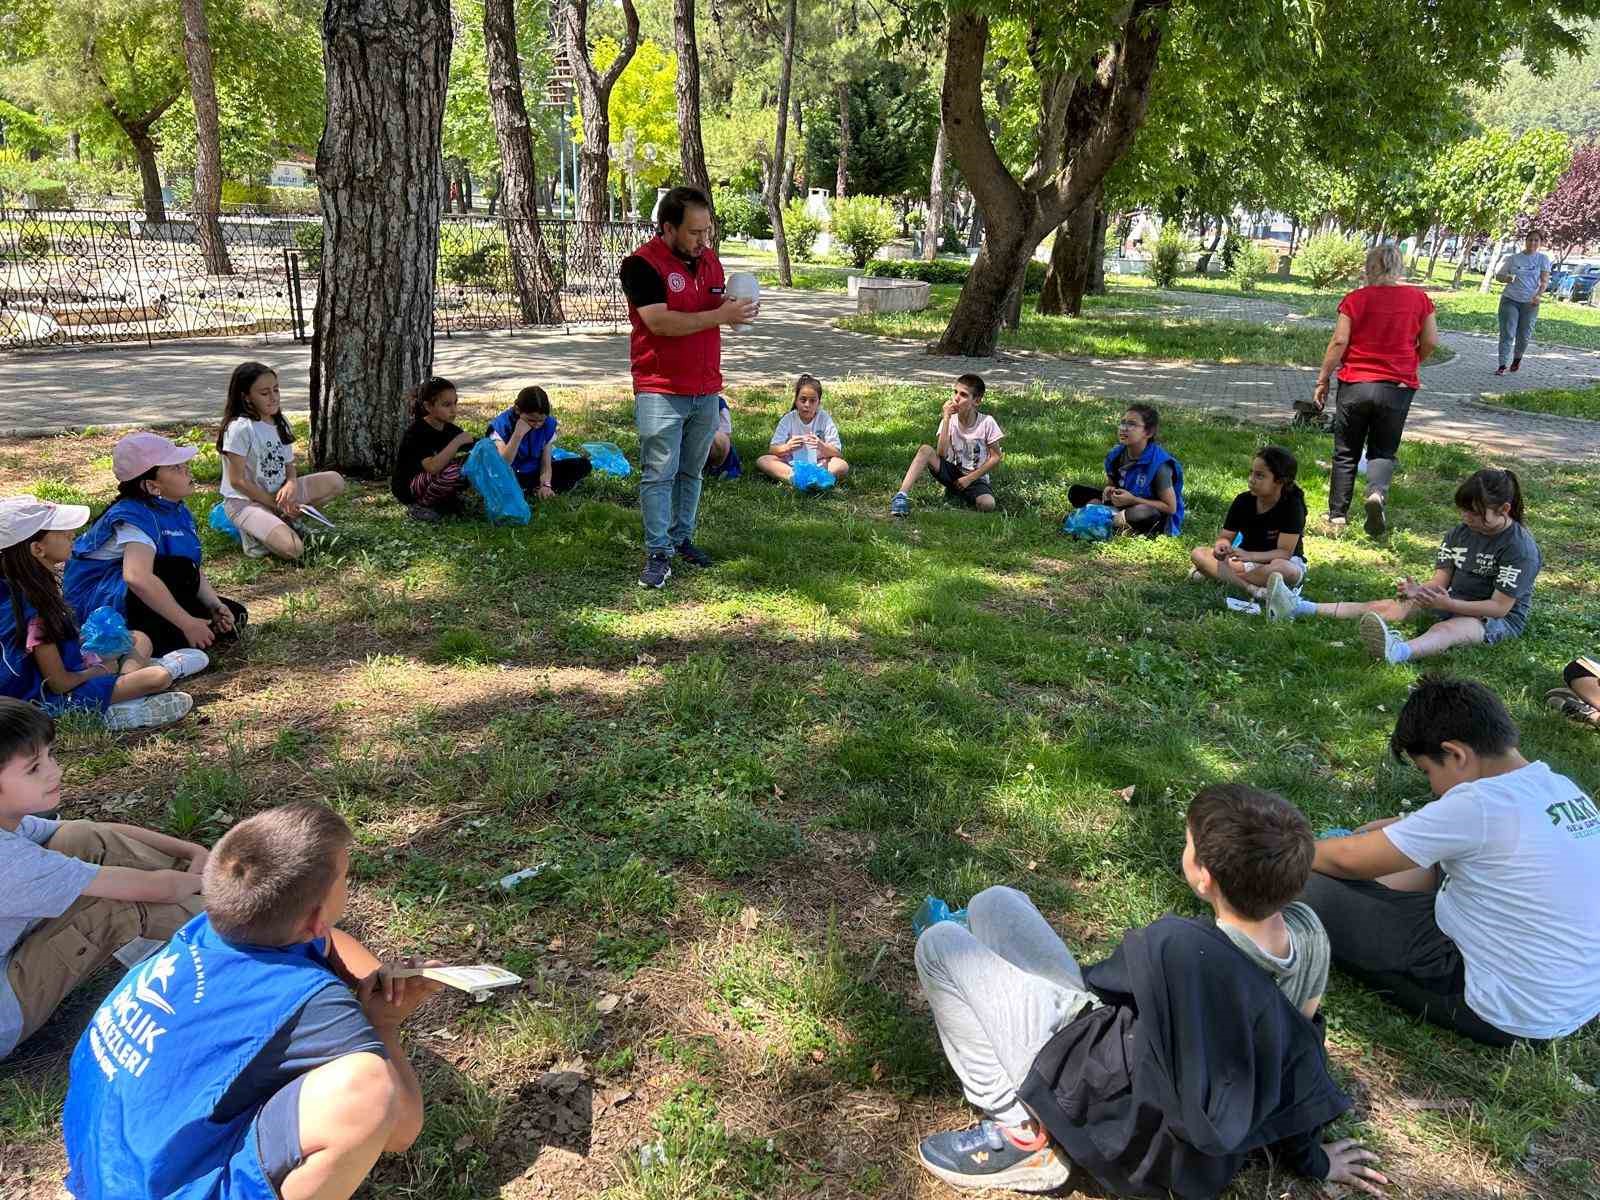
x=676 y=306
x=1525 y=276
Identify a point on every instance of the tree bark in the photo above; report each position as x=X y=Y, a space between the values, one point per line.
x=776 y=188
x=387 y=64
x=516 y=197
x=933 y=235
x=842 y=175
x=144 y=148
x=691 y=145
x=594 y=102
x=208 y=139
x=1097 y=257
x=1071 y=262
x=1203 y=263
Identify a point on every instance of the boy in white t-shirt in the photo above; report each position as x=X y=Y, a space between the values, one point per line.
x=968 y=449
x=1476 y=911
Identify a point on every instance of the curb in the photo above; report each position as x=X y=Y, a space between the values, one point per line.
x=1502 y=409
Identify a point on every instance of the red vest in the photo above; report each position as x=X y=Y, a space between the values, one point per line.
x=679 y=366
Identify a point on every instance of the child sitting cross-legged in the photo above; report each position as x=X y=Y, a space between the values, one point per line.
x=1580 y=698
x=1262 y=535
x=72 y=893
x=1117 y=1068
x=258 y=1053
x=427 y=476
x=525 y=435
x=1144 y=482
x=805 y=434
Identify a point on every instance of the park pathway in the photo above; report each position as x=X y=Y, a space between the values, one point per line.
x=46 y=391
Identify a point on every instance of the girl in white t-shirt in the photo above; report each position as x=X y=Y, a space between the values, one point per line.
x=260 y=490
x=806 y=434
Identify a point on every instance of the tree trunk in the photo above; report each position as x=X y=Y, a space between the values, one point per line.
x=1071 y=262
x=974 y=325
x=691 y=145
x=378 y=165
x=516 y=197
x=1203 y=263
x=1461 y=263
x=75 y=145
x=1097 y=255
x=934 y=234
x=208 y=139
x=775 y=176
x=594 y=103
x=842 y=179
x=145 y=147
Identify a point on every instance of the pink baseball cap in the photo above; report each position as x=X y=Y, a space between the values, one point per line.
x=23 y=516
x=141 y=452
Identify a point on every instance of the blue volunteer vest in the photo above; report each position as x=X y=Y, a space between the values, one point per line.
x=1136 y=477
x=92 y=582
x=162 y=1051
x=20 y=677
x=531 y=449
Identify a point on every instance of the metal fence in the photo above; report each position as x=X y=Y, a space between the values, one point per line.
x=83 y=277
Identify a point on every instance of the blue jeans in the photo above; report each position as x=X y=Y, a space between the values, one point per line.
x=675 y=435
x=1516 y=325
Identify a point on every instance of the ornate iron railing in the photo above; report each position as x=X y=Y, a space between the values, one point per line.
x=84 y=277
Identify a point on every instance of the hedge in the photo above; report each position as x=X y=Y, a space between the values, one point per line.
x=945 y=271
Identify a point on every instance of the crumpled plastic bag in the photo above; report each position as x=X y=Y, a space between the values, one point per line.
x=1091 y=523
x=608 y=459
x=557 y=454
x=933 y=910
x=106 y=633
x=222 y=522
x=811 y=477
x=503 y=501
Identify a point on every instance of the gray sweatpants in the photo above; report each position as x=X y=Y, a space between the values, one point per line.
x=999 y=989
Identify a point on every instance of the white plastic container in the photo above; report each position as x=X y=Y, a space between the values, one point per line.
x=742 y=285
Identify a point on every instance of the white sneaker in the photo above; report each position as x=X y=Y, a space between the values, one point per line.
x=182 y=663
x=1280 y=601
x=147 y=712
x=1381 y=642
x=1196 y=575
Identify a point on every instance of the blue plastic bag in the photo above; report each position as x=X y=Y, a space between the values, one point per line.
x=811 y=477
x=503 y=501
x=1091 y=523
x=106 y=633
x=932 y=911
x=557 y=454
x=608 y=459
x=222 y=522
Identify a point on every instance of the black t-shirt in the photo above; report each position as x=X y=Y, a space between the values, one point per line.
x=642 y=283
x=420 y=441
x=1261 y=529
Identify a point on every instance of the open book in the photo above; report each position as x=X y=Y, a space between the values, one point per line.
x=478 y=980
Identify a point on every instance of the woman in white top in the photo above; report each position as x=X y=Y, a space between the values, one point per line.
x=806 y=434
x=260 y=490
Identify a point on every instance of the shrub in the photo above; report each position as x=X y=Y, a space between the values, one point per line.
x=235 y=194
x=863 y=225
x=953 y=242
x=944 y=271
x=741 y=215
x=1167 y=262
x=1250 y=263
x=306 y=201
x=801 y=228
x=1331 y=259
x=308 y=238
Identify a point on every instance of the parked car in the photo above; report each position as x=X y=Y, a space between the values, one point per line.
x=1578 y=286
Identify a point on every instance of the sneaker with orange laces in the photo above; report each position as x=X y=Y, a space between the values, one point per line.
x=990 y=1155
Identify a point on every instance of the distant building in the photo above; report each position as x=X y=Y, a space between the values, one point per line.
x=295 y=171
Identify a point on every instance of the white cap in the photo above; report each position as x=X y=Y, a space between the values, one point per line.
x=23 y=516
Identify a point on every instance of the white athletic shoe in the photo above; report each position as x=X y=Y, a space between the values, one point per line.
x=182 y=663
x=1279 y=602
x=1381 y=642
x=147 y=712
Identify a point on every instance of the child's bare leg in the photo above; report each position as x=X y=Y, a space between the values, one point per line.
x=1389 y=610
x=1454 y=631
x=1255 y=577
x=348 y=1110
x=1205 y=562
x=838 y=468
x=1587 y=689
x=141 y=681
x=774 y=466
x=323 y=485
x=924 y=458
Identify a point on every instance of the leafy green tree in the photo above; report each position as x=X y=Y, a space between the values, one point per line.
x=1567 y=99
x=1486 y=183
x=893 y=124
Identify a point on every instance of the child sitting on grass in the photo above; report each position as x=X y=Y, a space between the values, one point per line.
x=427 y=476
x=260 y=490
x=1117 y=1068
x=1580 y=699
x=1262 y=536
x=1481 y=589
x=258 y=1054
x=41 y=659
x=1476 y=911
x=967 y=449
x=805 y=434
x=722 y=460
x=72 y=893
x=142 y=557
x=525 y=435
x=1144 y=483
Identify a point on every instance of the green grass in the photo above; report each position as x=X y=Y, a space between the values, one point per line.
x=1563 y=402
x=738 y=789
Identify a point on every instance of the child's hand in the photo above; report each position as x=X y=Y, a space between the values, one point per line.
x=288 y=499
x=388 y=1001
x=1345 y=1161
x=198 y=633
x=950 y=407
x=546 y=492
x=197 y=864
x=222 y=618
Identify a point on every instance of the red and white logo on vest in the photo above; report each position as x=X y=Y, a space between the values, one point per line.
x=677 y=282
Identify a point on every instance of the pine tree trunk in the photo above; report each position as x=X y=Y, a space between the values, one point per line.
x=691 y=145
x=387 y=64
x=775 y=177
x=208 y=139
x=516 y=197
x=934 y=234
x=586 y=256
x=842 y=175
x=1071 y=261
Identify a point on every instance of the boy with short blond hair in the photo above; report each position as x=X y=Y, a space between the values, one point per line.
x=257 y=1055
x=967 y=449
x=72 y=893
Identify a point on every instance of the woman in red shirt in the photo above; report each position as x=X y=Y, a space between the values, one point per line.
x=1384 y=332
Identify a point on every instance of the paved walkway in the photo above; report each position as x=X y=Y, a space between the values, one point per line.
x=45 y=391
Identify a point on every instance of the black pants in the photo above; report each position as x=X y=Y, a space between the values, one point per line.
x=1390 y=941
x=947 y=473
x=182 y=577
x=1141 y=518
x=1370 y=417
x=565 y=474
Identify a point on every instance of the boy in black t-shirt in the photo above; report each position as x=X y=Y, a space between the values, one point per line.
x=427 y=475
x=1262 y=536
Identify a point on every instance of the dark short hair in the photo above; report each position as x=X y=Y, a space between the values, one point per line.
x=974 y=383
x=271 y=870
x=134 y=489
x=1443 y=709
x=677 y=201
x=24 y=729
x=1148 y=415
x=1257 y=846
x=533 y=399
